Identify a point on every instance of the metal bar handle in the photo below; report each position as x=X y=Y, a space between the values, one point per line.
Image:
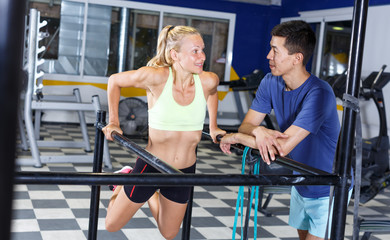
x=154 y=161
x=159 y=179
x=283 y=161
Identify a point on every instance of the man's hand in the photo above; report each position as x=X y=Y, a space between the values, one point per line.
x=266 y=142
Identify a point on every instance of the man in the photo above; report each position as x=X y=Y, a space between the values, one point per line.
x=305 y=109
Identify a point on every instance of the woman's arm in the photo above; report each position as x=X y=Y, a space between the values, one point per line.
x=212 y=106
x=138 y=79
x=234 y=138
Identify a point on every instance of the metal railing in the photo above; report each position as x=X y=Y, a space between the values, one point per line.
x=169 y=177
x=341 y=180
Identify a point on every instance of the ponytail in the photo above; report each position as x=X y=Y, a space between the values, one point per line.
x=169 y=38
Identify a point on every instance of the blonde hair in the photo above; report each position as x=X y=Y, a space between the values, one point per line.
x=169 y=38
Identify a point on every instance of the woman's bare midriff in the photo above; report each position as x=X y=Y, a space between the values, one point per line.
x=177 y=148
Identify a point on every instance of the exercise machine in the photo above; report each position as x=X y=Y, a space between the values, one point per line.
x=35 y=100
x=375 y=151
x=375 y=175
x=375 y=160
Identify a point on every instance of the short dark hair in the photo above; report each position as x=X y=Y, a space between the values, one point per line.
x=300 y=37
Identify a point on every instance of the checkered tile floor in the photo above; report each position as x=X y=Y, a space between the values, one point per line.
x=61 y=212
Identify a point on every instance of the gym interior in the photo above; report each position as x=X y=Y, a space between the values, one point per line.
x=69 y=48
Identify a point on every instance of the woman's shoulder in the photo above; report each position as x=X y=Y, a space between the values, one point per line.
x=153 y=74
x=209 y=75
x=154 y=70
x=209 y=78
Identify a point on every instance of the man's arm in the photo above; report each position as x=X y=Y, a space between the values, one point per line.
x=266 y=139
x=294 y=136
x=251 y=121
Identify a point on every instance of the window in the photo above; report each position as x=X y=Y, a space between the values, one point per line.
x=333 y=32
x=215 y=35
x=96 y=38
x=335 y=48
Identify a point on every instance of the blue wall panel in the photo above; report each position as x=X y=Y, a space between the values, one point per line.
x=252 y=36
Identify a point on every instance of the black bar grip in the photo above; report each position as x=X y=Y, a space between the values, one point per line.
x=154 y=161
x=283 y=161
x=219 y=137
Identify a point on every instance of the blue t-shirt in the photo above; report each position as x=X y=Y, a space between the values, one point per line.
x=312 y=107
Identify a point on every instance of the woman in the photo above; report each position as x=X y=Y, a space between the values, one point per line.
x=178 y=91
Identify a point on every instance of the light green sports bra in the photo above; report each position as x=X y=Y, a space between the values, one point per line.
x=167 y=114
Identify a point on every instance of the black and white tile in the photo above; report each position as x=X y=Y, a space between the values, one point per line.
x=56 y=212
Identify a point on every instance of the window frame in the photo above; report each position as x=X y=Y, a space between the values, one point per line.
x=322 y=17
x=81 y=77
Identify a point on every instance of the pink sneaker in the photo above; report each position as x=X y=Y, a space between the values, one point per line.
x=124 y=170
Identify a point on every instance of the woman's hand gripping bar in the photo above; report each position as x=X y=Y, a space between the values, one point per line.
x=154 y=161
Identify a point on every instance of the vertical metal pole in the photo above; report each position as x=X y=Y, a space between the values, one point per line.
x=123 y=37
x=11 y=39
x=97 y=168
x=133 y=40
x=344 y=155
x=83 y=124
x=32 y=57
x=186 y=229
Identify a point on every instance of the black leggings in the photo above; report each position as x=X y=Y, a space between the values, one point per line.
x=141 y=194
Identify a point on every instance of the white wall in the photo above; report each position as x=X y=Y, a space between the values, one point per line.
x=376 y=53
